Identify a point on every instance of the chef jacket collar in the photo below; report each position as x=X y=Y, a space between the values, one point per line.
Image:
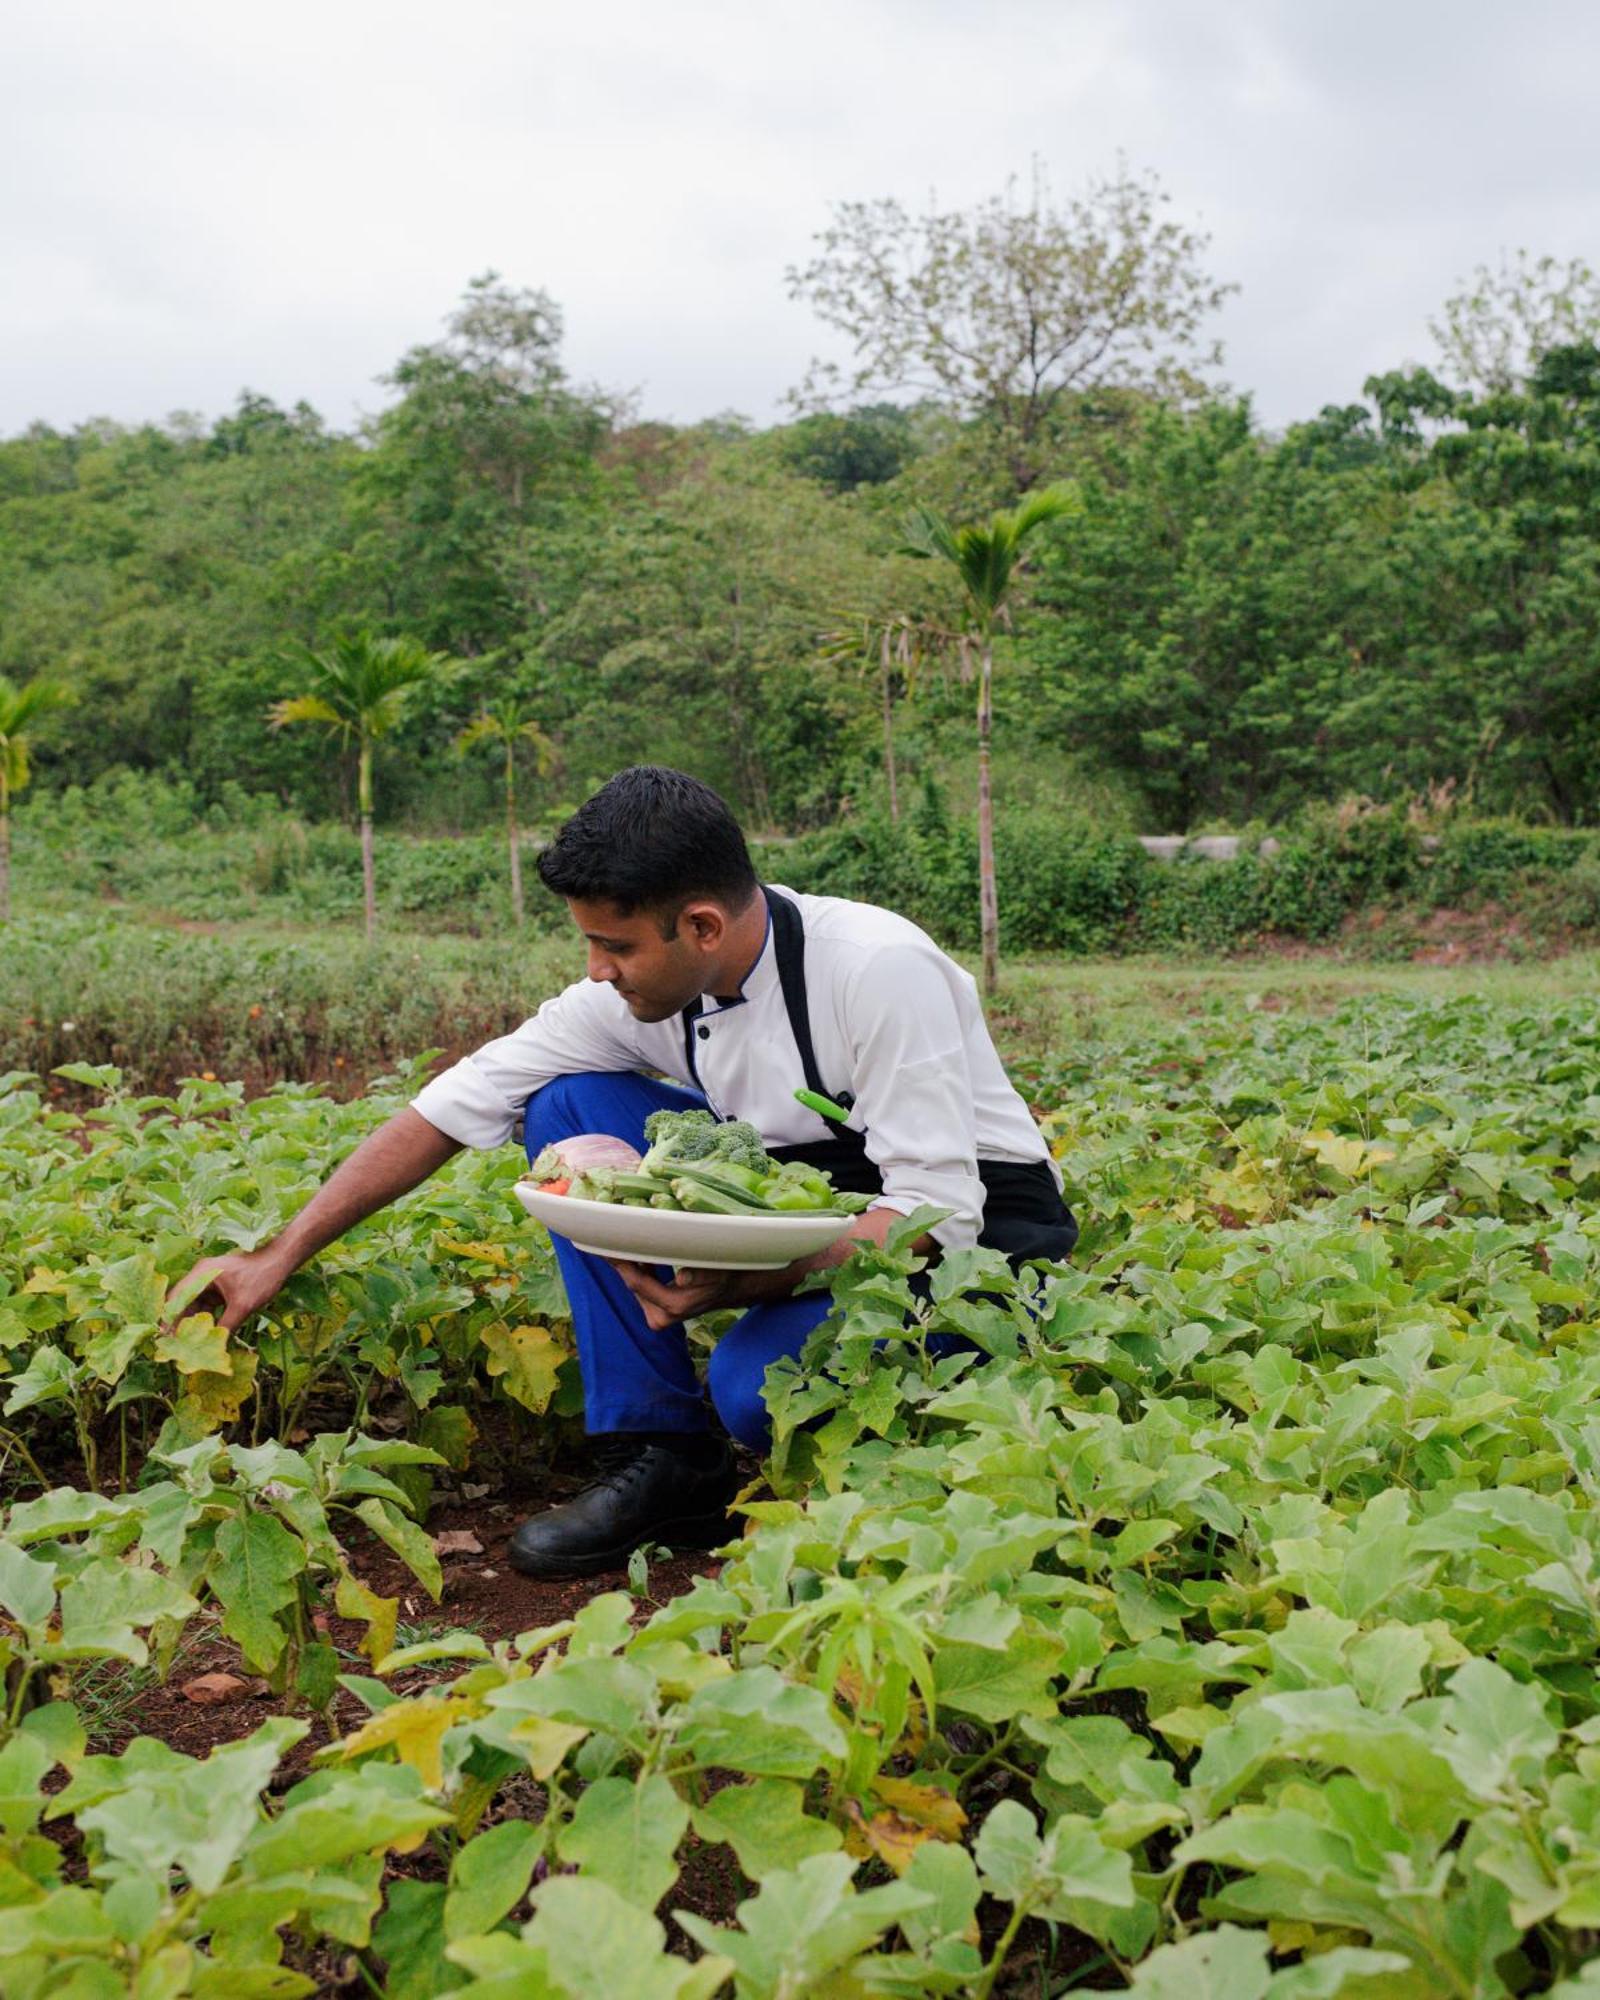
x=761 y=979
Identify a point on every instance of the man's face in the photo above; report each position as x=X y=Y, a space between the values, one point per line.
x=657 y=976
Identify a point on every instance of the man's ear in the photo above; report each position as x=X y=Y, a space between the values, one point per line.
x=704 y=924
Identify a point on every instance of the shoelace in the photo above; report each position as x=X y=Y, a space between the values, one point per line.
x=616 y=1464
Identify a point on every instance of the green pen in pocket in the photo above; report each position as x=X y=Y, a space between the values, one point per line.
x=824 y=1107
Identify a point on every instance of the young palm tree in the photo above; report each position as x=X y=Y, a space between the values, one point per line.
x=357 y=692
x=18 y=707
x=894 y=648
x=509 y=723
x=986 y=560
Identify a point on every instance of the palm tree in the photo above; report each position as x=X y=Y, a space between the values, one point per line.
x=357 y=693
x=18 y=707
x=986 y=560
x=894 y=647
x=508 y=723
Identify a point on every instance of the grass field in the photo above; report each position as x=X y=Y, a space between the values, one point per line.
x=1222 y=1621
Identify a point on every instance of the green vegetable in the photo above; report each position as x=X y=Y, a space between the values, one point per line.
x=675 y=1137
x=710 y=1167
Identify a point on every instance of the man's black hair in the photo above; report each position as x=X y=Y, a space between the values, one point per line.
x=651 y=839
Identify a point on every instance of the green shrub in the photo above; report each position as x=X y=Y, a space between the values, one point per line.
x=1064 y=886
x=1475 y=859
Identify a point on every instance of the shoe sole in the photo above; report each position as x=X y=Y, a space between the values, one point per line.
x=697 y=1531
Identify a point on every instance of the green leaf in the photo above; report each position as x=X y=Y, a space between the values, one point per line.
x=806 y=1923
x=66 y=1921
x=197 y=1345
x=410 y=1939
x=27 y=1587
x=104 y=1604
x=1500 y=1728
x=1053 y=1876
x=626 y=1833
x=766 y=1824
x=351 y=1813
x=947 y=1876
x=616 y=1696
x=316 y=1678
x=1386 y=1665
x=255 y=1576
x=490 y=1876
x=23 y=1764
x=973 y=1681
x=64 y=1511
x=1224 y=1964
x=156 y=1810
x=756 y=1722
x=409 y=1542
x=50 y=1377
x=596 y=1946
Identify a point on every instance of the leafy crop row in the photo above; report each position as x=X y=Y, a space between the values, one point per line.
x=1229 y=1617
x=101 y=1213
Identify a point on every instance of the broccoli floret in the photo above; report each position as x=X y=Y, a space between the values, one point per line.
x=740 y=1142
x=680 y=1136
x=662 y=1127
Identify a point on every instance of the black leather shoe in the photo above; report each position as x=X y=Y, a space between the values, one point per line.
x=641 y=1492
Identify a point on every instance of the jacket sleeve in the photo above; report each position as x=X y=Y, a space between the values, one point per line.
x=480 y=1100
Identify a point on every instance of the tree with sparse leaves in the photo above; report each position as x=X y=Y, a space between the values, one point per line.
x=986 y=560
x=1007 y=310
x=1496 y=328
x=357 y=693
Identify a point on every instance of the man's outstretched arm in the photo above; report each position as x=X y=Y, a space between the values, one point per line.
x=399 y=1156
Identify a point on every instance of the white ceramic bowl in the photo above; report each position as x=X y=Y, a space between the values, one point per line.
x=686 y=1242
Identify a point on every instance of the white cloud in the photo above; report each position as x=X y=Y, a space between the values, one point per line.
x=194 y=199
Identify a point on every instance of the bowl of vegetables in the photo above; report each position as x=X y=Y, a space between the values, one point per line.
x=705 y=1195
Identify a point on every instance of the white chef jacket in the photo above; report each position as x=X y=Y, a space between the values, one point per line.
x=894 y=1020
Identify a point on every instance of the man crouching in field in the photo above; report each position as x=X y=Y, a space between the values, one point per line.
x=740 y=994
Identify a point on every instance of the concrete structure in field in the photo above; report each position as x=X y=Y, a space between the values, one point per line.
x=1203 y=847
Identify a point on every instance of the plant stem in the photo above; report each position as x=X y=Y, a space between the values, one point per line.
x=988 y=894
x=991 y=1972
x=369 y=893
x=511 y=835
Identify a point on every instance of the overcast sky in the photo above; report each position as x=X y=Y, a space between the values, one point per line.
x=197 y=196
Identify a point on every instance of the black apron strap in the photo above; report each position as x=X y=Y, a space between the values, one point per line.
x=789 y=948
x=1023 y=1213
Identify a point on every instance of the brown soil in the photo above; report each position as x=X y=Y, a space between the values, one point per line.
x=482 y=1594
x=1487 y=934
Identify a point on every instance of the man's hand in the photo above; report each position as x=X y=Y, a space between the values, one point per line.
x=388 y=1163
x=694 y=1292
x=233 y=1287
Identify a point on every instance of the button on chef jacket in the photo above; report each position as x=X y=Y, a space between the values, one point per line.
x=893 y=1020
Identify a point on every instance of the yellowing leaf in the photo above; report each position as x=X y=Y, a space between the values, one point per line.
x=887 y=1835
x=195 y=1346
x=484 y=1253
x=545 y=1743
x=413 y=1729
x=352 y=1599
x=930 y=1806
x=525 y=1360
x=213 y=1399
x=1350 y=1158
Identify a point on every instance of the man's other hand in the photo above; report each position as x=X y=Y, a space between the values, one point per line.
x=693 y=1292
x=231 y=1288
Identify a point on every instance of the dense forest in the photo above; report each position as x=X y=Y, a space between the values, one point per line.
x=1400 y=593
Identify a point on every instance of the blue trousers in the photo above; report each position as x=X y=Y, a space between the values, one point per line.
x=636 y=1378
